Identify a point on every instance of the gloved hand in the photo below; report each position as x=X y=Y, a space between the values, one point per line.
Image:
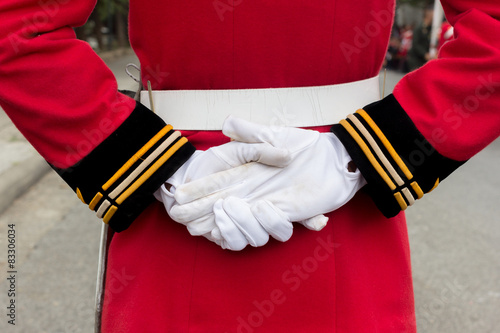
x=253 y=196
x=203 y=163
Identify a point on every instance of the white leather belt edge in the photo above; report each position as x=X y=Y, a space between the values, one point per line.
x=297 y=107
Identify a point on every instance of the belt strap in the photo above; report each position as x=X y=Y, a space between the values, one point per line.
x=297 y=107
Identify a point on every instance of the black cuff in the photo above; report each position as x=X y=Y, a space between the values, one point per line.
x=398 y=163
x=118 y=178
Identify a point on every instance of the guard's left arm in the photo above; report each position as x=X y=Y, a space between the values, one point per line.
x=438 y=117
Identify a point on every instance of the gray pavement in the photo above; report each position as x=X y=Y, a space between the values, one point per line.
x=454 y=235
x=20 y=164
x=57 y=237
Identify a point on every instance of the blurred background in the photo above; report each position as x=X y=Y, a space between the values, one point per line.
x=454 y=232
x=107 y=27
x=419 y=30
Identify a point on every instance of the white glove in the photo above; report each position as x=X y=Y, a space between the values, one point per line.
x=203 y=163
x=253 y=196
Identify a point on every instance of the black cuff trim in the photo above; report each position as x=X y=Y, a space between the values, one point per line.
x=399 y=164
x=118 y=178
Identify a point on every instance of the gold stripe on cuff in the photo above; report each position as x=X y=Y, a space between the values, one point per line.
x=144 y=164
x=400 y=201
x=151 y=170
x=386 y=143
x=435 y=185
x=368 y=153
x=376 y=148
x=79 y=195
x=417 y=190
x=109 y=214
x=95 y=201
x=137 y=156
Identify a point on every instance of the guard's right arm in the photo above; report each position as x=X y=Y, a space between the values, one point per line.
x=112 y=151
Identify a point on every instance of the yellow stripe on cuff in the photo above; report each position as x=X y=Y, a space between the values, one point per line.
x=435 y=185
x=109 y=214
x=136 y=156
x=386 y=143
x=400 y=201
x=417 y=190
x=79 y=195
x=376 y=148
x=144 y=164
x=151 y=170
x=368 y=153
x=95 y=201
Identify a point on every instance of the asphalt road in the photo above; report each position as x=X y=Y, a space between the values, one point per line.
x=454 y=235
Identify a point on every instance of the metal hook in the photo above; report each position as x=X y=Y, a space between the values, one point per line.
x=136 y=79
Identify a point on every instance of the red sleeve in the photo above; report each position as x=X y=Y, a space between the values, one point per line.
x=65 y=101
x=55 y=89
x=454 y=101
x=438 y=117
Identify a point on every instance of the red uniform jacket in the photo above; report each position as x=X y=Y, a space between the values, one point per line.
x=354 y=275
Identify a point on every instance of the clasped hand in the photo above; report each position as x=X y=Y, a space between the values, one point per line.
x=242 y=192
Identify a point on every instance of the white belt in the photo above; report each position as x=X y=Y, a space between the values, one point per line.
x=297 y=107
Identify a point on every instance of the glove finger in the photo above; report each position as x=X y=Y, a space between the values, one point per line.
x=216 y=233
x=244 y=131
x=233 y=238
x=273 y=220
x=315 y=223
x=216 y=182
x=210 y=237
x=193 y=210
x=266 y=154
x=237 y=153
x=241 y=215
x=202 y=225
x=286 y=138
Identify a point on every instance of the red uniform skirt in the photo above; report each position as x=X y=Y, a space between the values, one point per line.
x=352 y=276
